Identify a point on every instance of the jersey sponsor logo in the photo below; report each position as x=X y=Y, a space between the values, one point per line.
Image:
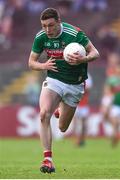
x=58 y=54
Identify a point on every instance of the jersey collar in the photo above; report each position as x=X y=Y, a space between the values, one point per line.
x=61 y=27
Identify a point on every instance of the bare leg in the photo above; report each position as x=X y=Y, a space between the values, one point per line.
x=66 y=115
x=49 y=101
x=81 y=137
x=115 y=125
x=80 y=132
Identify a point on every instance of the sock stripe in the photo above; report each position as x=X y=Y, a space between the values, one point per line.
x=47 y=154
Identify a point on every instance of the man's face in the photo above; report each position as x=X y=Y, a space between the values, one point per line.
x=51 y=27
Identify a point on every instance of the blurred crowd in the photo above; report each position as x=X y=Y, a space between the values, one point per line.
x=14 y=14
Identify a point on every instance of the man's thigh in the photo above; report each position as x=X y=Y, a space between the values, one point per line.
x=49 y=99
x=66 y=114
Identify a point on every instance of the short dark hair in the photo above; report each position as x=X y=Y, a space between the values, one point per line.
x=49 y=13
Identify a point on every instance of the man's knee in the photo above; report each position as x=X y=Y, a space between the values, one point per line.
x=44 y=114
x=62 y=127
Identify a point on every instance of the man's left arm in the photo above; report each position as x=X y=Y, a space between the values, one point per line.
x=91 y=55
x=92 y=52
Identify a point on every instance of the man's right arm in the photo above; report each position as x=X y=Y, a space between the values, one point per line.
x=36 y=65
x=33 y=61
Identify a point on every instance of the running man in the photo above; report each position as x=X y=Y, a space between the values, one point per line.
x=64 y=84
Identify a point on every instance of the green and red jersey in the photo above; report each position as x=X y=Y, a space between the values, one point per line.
x=70 y=74
x=114 y=83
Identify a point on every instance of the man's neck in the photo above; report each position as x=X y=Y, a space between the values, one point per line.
x=60 y=31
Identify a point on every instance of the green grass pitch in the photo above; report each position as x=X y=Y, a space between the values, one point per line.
x=20 y=159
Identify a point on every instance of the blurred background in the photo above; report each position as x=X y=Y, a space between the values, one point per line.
x=20 y=87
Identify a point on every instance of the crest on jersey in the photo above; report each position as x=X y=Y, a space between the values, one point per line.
x=63 y=44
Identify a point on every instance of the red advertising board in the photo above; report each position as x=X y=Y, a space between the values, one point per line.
x=18 y=121
x=23 y=121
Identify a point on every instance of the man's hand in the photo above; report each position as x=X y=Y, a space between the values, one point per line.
x=76 y=59
x=50 y=65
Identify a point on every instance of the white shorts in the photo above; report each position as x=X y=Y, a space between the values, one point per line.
x=106 y=100
x=82 y=112
x=115 y=111
x=70 y=94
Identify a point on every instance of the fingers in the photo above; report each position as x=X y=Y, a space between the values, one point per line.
x=71 y=59
x=72 y=63
x=55 y=70
x=51 y=64
x=52 y=58
x=74 y=56
x=75 y=59
x=53 y=67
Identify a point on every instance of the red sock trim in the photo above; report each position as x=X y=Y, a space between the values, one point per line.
x=47 y=154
